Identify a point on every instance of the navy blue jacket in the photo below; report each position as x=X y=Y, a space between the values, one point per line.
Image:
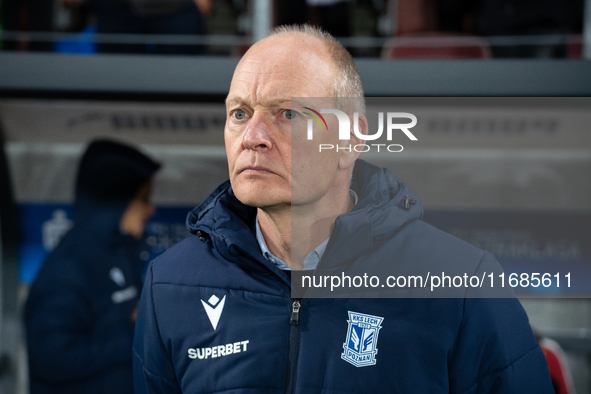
x=78 y=313
x=215 y=314
x=77 y=316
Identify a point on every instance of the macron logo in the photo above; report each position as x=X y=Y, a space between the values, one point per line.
x=214 y=307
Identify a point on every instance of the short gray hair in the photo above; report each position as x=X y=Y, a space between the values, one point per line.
x=347 y=87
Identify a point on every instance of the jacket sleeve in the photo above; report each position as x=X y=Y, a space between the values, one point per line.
x=496 y=351
x=63 y=342
x=153 y=371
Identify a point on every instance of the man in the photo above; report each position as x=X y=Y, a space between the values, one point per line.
x=217 y=313
x=186 y=17
x=81 y=309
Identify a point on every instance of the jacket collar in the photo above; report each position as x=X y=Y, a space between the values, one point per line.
x=385 y=206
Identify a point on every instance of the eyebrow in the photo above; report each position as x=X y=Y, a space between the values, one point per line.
x=241 y=100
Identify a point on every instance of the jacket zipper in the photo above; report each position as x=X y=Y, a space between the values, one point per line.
x=295 y=313
x=294 y=337
x=294 y=346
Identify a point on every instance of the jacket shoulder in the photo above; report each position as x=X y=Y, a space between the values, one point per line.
x=440 y=241
x=178 y=261
x=196 y=263
x=427 y=245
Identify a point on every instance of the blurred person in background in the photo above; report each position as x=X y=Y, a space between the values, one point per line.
x=554 y=19
x=26 y=16
x=80 y=313
x=184 y=17
x=333 y=16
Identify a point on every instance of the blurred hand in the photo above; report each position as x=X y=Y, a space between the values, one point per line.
x=204 y=6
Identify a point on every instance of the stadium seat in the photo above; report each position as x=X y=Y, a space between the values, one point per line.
x=436 y=47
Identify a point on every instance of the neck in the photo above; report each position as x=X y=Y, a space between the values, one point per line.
x=291 y=233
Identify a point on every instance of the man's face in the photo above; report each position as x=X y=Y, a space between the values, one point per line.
x=270 y=161
x=138 y=212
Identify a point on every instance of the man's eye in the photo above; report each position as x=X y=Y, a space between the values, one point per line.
x=290 y=114
x=239 y=114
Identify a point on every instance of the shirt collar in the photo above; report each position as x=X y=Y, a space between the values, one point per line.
x=265 y=250
x=312 y=259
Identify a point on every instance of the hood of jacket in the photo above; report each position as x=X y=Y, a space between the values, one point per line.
x=110 y=175
x=384 y=206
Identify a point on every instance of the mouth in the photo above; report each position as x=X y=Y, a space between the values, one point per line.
x=255 y=170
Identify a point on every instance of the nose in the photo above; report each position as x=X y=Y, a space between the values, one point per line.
x=258 y=133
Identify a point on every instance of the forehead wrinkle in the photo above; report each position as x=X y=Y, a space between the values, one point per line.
x=251 y=76
x=270 y=102
x=275 y=93
x=268 y=93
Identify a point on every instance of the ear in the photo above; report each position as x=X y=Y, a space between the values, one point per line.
x=348 y=156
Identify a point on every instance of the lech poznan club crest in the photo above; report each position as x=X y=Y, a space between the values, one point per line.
x=361 y=345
